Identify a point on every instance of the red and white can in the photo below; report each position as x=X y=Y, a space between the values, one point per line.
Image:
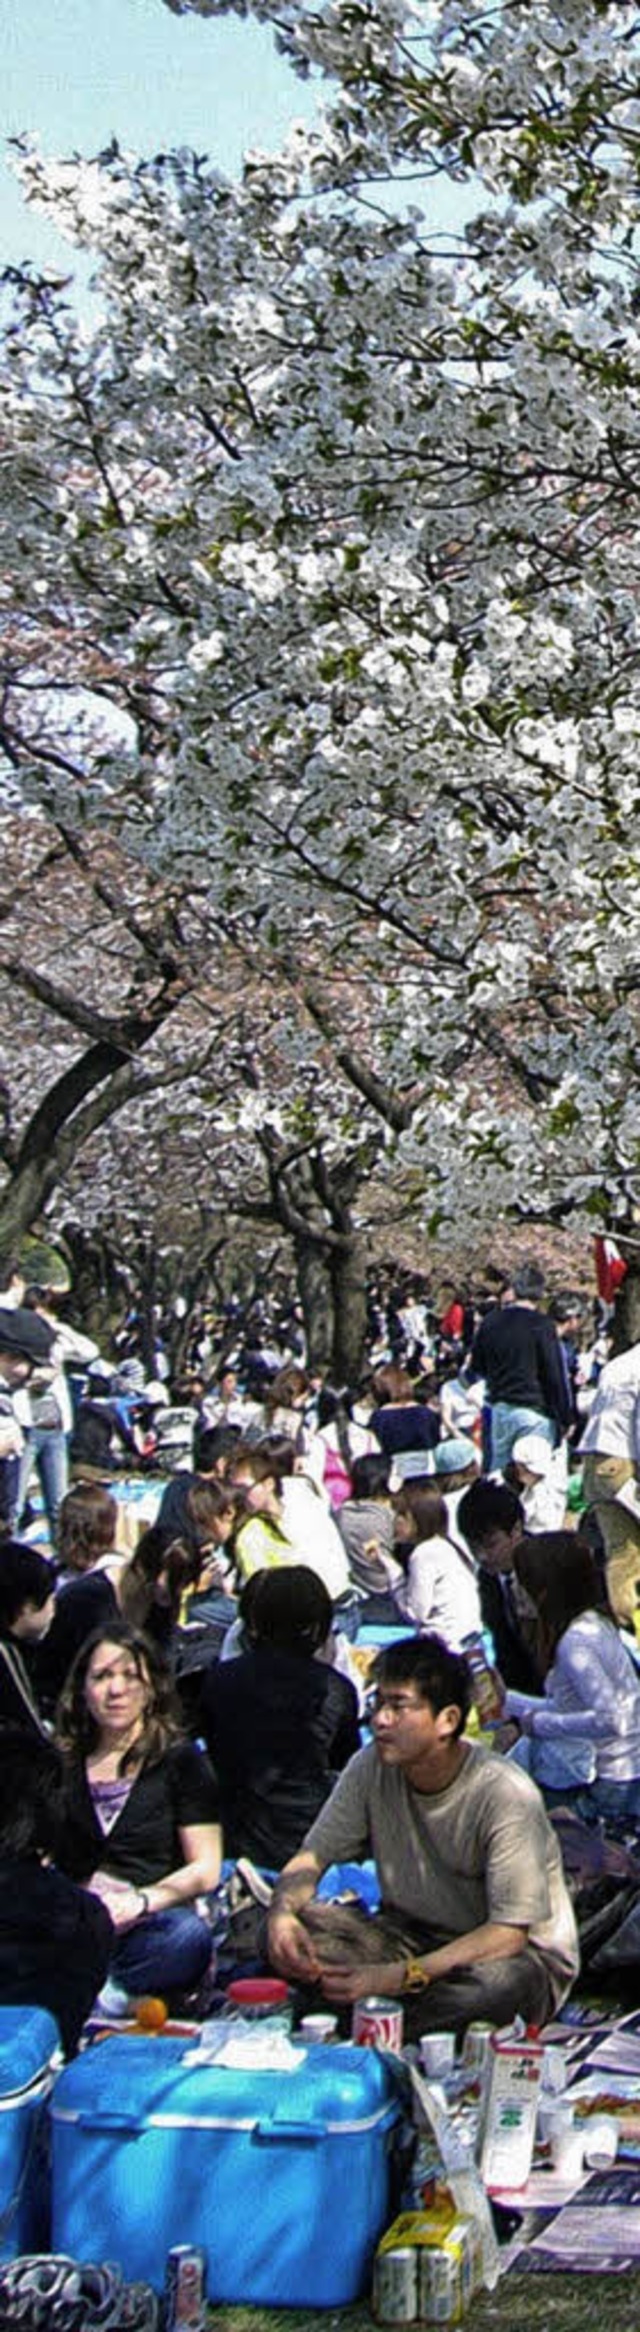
x=185 y=2307
x=377 y=2023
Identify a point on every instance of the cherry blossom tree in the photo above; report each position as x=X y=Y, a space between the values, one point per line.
x=333 y=521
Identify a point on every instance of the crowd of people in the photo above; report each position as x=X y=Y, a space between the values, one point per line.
x=283 y=1668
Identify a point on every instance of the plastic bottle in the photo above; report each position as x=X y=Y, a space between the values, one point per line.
x=485 y=1691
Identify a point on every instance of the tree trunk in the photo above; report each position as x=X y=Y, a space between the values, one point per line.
x=315 y=1289
x=100 y=1284
x=348 y=1273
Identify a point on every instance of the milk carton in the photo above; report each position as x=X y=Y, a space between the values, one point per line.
x=513 y=2082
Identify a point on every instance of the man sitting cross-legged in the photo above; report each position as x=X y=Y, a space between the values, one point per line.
x=475 y=1918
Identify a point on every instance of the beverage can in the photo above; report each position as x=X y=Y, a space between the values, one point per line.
x=449 y=2274
x=440 y=2288
x=476 y=2045
x=484 y=1689
x=185 y=2293
x=395 y=2286
x=377 y=2023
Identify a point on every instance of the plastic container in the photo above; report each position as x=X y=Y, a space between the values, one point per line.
x=257 y=1998
x=282 y=2177
x=30 y=2056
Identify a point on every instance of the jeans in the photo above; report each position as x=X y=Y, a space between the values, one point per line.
x=347 y=1614
x=612 y=1804
x=508 y=1422
x=46 y=1449
x=167 y=1952
x=10 y=1490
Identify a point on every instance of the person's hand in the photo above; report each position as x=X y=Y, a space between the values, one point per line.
x=121 y=1900
x=292 y=1952
x=11 y=1436
x=504 y=1736
x=341 y=1984
x=214 y=1573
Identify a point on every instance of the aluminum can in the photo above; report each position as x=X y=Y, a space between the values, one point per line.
x=440 y=2299
x=185 y=2293
x=395 y=2286
x=476 y=2046
x=377 y=2023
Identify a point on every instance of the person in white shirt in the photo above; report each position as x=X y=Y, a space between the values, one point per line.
x=586 y=1729
x=610 y=1446
x=51 y=1421
x=540 y=1476
x=440 y=1590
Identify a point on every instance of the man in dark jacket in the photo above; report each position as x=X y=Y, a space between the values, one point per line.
x=518 y=1352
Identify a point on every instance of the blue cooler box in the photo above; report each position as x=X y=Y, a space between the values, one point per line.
x=30 y=2055
x=282 y=2176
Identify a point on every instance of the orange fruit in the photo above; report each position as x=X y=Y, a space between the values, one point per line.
x=150 y=2013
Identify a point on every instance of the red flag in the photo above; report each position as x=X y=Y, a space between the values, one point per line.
x=610 y=1268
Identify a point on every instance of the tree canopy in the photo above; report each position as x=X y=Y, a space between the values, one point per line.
x=320 y=571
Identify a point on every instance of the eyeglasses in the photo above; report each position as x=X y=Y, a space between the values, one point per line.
x=396 y=1705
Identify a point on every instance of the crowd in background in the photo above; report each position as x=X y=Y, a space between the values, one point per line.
x=192 y=1576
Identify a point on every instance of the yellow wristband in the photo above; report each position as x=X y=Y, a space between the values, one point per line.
x=415 y=1978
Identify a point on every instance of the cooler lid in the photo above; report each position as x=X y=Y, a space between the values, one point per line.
x=130 y=2082
x=29 y=2042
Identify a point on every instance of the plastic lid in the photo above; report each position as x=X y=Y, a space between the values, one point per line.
x=256 y=1991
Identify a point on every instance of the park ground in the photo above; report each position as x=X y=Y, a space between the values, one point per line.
x=521 y=2303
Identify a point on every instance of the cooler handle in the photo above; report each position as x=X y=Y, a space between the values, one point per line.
x=116 y=2118
x=306 y=2133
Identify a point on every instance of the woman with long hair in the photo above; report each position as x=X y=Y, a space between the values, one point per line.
x=336 y=1445
x=142 y=1811
x=587 y=1726
x=440 y=1591
x=154 y=1583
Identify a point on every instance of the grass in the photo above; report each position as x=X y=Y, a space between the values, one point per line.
x=521 y=2303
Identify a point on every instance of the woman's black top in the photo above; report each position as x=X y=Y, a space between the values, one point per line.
x=279 y=1727
x=405 y=1426
x=177 y=1792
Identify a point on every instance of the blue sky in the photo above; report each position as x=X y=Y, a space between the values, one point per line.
x=81 y=71
x=77 y=72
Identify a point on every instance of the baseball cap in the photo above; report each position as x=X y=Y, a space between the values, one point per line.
x=25 y=1335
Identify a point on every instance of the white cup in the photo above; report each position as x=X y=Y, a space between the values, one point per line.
x=600 y=2140
x=318 y=2028
x=437 y=2054
x=567 y=2150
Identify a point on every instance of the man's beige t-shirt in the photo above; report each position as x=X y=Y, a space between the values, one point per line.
x=481 y=1849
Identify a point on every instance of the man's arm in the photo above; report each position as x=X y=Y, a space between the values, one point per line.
x=291 y=1950
x=554 y=1376
x=493 y=1941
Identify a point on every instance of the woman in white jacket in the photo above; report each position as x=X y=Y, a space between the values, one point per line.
x=440 y=1591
